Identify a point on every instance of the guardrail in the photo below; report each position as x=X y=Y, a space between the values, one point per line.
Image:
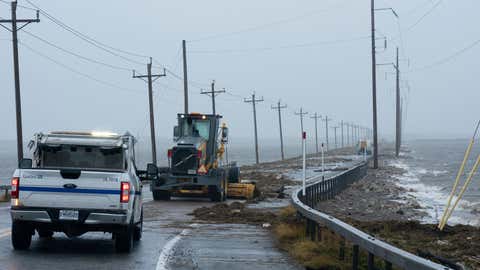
x=324 y=189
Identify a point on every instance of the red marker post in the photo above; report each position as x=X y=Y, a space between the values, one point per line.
x=304 y=150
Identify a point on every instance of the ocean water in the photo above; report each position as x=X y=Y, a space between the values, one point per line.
x=431 y=167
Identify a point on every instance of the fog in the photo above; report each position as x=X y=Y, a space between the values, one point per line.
x=311 y=54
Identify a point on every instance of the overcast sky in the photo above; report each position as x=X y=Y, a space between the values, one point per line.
x=301 y=66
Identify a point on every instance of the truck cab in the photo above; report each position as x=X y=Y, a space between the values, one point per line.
x=78 y=182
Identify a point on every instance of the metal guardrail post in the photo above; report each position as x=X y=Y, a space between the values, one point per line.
x=371 y=261
x=355 y=258
x=341 y=252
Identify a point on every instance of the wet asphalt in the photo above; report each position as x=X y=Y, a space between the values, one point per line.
x=170 y=241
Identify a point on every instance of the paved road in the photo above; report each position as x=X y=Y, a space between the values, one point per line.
x=170 y=241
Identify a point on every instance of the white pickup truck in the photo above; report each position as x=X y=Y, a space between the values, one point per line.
x=78 y=182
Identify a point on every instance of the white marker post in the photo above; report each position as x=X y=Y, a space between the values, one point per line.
x=304 y=150
x=323 y=161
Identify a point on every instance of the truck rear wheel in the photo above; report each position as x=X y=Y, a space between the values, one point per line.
x=137 y=235
x=21 y=235
x=161 y=195
x=124 y=240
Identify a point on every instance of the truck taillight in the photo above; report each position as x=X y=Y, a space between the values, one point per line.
x=15 y=187
x=169 y=153
x=199 y=154
x=124 y=192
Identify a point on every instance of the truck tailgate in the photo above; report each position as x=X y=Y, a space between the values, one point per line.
x=56 y=189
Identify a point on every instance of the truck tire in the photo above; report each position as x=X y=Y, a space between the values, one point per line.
x=45 y=233
x=161 y=195
x=217 y=195
x=21 y=235
x=137 y=235
x=234 y=175
x=124 y=240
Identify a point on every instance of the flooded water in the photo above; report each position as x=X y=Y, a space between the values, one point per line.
x=432 y=166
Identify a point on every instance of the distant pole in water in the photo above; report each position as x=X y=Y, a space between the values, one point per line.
x=316 y=117
x=212 y=93
x=150 y=79
x=253 y=100
x=279 y=107
x=16 y=71
x=185 y=77
x=304 y=163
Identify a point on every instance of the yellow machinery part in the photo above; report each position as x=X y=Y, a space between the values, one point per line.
x=241 y=190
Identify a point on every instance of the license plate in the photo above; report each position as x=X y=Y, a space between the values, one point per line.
x=68 y=215
x=192 y=171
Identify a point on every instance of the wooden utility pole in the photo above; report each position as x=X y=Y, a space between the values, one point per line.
x=341 y=130
x=16 y=69
x=335 y=132
x=326 y=119
x=301 y=114
x=185 y=77
x=254 y=101
x=212 y=93
x=150 y=79
x=397 y=118
x=374 y=88
x=316 y=117
x=279 y=107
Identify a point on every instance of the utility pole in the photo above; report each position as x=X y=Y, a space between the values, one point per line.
x=374 y=88
x=341 y=130
x=374 y=81
x=279 y=107
x=212 y=93
x=301 y=114
x=316 y=117
x=335 y=132
x=348 y=134
x=185 y=77
x=352 y=126
x=16 y=69
x=326 y=119
x=253 y=100
x=397 y=118
x=150 y=79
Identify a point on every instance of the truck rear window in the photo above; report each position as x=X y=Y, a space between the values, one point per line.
x=82 y=157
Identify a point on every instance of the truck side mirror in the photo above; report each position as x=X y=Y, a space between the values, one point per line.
x=25 y=163
x=224 y=134
x=176 y=132
x=152 y=171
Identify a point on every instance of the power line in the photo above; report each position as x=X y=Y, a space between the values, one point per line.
x=266 y=25
x=448 y=58
x=293 y=46
x=76 y=71
x=90 y=40
x=76 y=54
x=425 y=15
